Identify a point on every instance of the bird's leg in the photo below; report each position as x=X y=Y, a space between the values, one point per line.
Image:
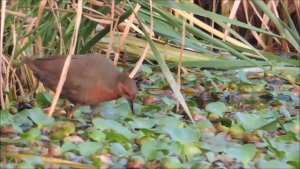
x=73 y=109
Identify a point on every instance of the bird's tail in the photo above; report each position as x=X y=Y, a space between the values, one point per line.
x=30 y=62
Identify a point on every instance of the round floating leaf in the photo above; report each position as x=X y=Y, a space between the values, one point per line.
x=243 y=153
x=118 y=149
x=273 y=164
x=142 y=123
x=183 y=135
x=115 y=136
x=68 y=146
x=40 y=118
x=110 y=124
x=111 y=110
x=5 y=118
x=252 y=121
x=32 y=134
x=151 y=150
x=170 y=121
x=96 y=134
x=89 y=148
x=293 y=159
x=43 y=99
x=171 y=162
x=216 y=107
x=205 y=124
x=190 y=150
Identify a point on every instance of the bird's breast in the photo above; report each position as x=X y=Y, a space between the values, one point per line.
x=99 y=93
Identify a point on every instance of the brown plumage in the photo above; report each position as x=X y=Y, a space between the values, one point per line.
x=91 y=78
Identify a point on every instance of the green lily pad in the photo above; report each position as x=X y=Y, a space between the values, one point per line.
x=273 y=164
x=115 y=136
x=43 y=99
x=40 y=118
x=252 y=121
x=216 y=107
x=110 y=124
x=96 y=134
x=89 y=148
x=243 y=153
x=32 y=134
x=118 y=149
x=183 y=135
x=171 y=162
x=145 y=123
x=68 y=146
x=114 y=110
x=151 y=150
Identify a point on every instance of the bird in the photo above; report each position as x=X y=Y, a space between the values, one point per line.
x=91 y=78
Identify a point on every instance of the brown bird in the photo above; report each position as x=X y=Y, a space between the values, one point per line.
x=91 y=78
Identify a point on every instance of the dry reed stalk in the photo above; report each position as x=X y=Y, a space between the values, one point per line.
x=112 y=28
x=125 y=34
x=69 y=57
x=180 y=61
x=2 y=65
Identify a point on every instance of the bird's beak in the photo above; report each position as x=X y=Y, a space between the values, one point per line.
x=130 y=102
